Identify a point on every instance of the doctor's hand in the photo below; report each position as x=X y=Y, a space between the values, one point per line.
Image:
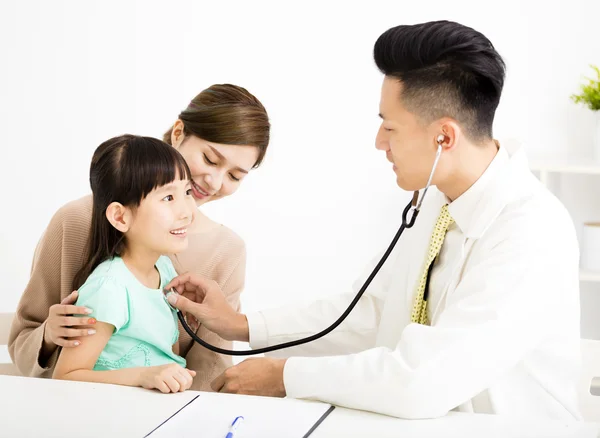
x=258 y=376
x=204 y=300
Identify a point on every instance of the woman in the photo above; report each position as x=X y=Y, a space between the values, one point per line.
x=222 y=134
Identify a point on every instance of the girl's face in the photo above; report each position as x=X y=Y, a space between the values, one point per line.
x=160 y=222
x=217 y=169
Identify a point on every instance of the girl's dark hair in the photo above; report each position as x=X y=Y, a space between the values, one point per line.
x=125 y=169
x=227 y=114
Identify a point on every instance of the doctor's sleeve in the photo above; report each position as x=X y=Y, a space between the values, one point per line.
x=356 y=333
x=503 y=308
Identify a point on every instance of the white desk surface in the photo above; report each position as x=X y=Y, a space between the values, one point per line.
x=349 y=423
x=49 y=408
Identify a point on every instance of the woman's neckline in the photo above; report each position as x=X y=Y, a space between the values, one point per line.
x=203 y=225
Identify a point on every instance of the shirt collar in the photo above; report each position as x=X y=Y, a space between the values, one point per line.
x=464 y=209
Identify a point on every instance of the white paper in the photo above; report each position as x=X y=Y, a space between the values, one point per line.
x=210 y=415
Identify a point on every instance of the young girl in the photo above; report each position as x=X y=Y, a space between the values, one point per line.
x=142 y=206
x=223 y=134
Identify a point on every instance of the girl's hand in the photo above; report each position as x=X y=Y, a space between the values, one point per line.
x=167 y=378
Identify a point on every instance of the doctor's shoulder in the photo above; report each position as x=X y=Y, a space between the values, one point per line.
x=545 y=213
x=539 y=219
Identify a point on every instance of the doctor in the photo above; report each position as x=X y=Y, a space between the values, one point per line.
x=477 y=309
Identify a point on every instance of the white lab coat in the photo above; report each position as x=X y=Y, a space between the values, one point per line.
x=505 y=336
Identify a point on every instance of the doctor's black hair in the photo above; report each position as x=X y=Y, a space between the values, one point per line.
x=124 y=169
x=446 y=69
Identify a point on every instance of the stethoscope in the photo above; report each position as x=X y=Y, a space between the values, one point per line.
x=409 y=216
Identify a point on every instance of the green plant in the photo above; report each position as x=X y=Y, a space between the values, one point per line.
x=590 y=92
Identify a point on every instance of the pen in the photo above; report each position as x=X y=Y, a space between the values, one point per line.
x=234 y=426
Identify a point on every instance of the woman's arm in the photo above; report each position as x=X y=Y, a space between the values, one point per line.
x=57 y=257
x=78 y=364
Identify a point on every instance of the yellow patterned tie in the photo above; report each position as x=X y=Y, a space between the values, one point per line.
x=419 y=312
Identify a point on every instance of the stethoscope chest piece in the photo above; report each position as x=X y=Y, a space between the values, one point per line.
x=166 y=298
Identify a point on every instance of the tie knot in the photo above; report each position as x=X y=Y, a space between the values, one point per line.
x=444 y=219
x=419 y=312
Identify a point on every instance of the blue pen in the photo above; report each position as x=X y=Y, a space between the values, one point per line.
x=234 y=426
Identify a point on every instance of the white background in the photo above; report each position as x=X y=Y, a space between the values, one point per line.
x=73 y=74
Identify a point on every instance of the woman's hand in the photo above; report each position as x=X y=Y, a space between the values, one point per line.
x=62 y=326
x=204 y=300
x=167 y=378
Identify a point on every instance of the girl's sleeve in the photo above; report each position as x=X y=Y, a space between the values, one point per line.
x=108 y=300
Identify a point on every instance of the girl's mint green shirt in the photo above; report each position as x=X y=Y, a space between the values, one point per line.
x=145 y=325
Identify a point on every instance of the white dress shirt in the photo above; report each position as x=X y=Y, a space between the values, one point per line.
x=450 y=257
x=504 y=303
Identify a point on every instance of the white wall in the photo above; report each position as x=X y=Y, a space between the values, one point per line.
x=73 y=74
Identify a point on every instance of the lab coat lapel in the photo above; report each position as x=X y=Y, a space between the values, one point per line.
x=407 y=270
x=500 y=191
x=419 y=245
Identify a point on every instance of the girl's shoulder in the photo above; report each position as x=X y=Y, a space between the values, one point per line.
x=112 y=271
x=105 y=293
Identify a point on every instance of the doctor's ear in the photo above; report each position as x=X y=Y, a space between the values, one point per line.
x=448 y=136
x=119 y=216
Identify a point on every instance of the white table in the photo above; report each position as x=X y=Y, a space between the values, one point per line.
x=350 y=423
x=49 y=408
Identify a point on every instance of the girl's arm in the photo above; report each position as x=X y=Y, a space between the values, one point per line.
x=78 y=364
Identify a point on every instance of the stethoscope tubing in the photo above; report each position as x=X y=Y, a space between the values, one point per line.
x=413 y=207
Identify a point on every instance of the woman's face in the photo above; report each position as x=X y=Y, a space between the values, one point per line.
x=217 y=169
